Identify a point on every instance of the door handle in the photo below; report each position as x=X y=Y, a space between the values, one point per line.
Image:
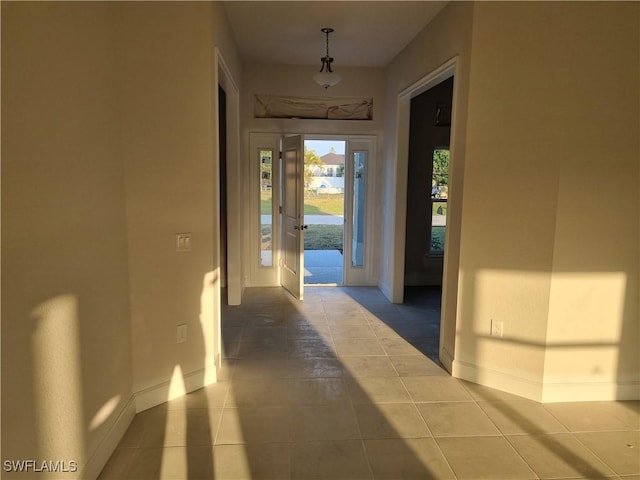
x=300 y=227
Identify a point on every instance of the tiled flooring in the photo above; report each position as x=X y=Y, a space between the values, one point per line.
x=346 y=386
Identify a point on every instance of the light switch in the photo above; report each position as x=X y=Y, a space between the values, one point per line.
x=183 y=242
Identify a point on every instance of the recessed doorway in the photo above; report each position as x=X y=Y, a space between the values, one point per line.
x=324 y=206
x=428 y=185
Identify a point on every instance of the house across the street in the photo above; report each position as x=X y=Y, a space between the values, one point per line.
x=328 y=177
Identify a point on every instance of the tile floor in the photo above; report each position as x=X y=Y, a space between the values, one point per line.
x=347 y=386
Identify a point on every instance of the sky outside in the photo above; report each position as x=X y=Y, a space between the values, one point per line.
x=322 y=147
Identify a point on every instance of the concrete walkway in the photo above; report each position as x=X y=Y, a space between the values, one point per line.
x=323 y=267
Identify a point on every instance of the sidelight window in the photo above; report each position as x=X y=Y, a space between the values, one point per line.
x=266 y=208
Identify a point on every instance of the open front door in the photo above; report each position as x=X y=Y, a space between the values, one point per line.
x=292 y=257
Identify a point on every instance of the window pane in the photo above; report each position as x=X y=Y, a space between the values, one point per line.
x=359 y=192
x=266 y=208
x=439 y=196
x=438 y=226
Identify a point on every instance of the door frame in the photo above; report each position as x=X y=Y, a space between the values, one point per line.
x=454 y=214
x=270 y=276
x=440 y=74
x=223 y=77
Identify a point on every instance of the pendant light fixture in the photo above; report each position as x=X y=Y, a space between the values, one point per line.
x=326 y=77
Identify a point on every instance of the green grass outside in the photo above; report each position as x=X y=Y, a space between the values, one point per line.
x=265 y=202
x=324 y=237
x=327 y=204
x=316 y=237
x=313 y=204
x=324 y=204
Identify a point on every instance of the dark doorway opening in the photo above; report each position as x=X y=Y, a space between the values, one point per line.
x=427 y=188
x=427 y=196
x=222 y=146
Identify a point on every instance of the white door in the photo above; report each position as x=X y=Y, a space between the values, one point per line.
x=292 y=257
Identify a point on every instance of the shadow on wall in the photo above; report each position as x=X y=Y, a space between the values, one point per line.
x=588 y=334
x=173 y=440
x=52 y=441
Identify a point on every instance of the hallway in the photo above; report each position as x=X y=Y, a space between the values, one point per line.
x=346 y=385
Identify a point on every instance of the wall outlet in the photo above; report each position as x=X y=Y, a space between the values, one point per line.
x=181 y=333
x=497 y=328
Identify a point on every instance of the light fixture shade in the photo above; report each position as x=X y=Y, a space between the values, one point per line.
x=326 y=79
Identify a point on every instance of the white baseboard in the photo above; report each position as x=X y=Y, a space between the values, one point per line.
x=138 y=402
x=386 y=291
x=545 y=392
x=159 y=394
x=590 y=391
x=446 y=359
x=107 y=446
x=499 y=380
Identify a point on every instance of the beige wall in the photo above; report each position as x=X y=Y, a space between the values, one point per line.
x=66 y=339
x=593 y=334
x=550 y=216
x=167 y=103
x=167 y=124
x=108 y=151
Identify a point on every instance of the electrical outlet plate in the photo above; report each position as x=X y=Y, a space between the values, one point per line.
x=181 y=333
x=497 y=328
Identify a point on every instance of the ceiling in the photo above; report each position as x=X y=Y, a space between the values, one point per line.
x=367 y=33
